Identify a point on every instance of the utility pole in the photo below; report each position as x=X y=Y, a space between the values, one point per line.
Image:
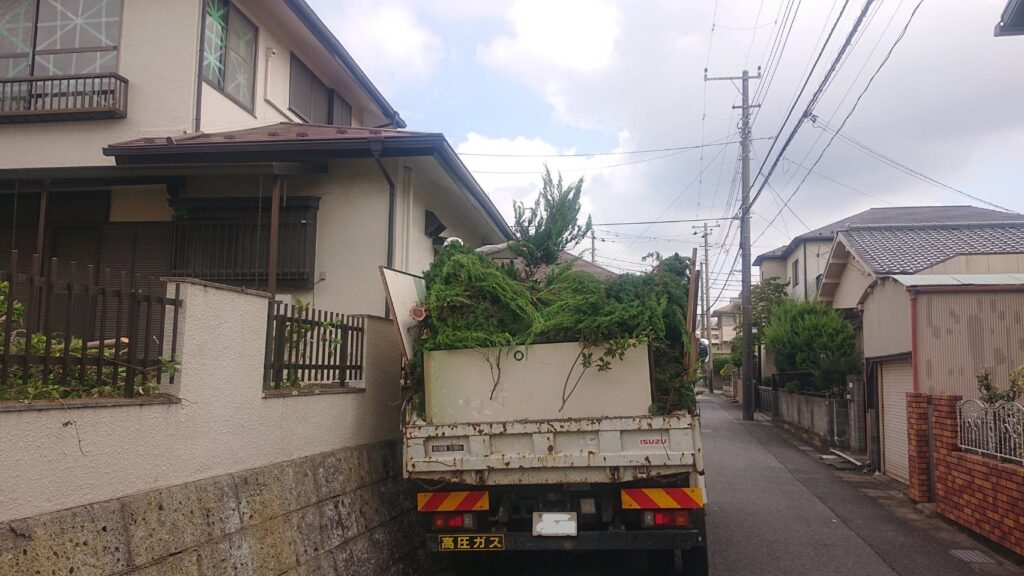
x=593 y=247
x=707 y=304
x=747 y=370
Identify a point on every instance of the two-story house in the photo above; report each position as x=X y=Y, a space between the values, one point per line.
x=801 y=263
x=237 y=151
x=233 y=141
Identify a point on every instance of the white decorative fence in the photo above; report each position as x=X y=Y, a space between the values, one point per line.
x=995 y=430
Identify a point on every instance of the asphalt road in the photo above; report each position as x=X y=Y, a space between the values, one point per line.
x=775 y=509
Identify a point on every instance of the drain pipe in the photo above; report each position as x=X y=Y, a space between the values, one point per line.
x=375 y=149
x=913 y=341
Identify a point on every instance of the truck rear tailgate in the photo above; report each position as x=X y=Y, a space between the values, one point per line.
x=576 y=450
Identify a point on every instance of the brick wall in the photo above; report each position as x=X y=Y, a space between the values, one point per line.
x=977 y=492
x=917 y=447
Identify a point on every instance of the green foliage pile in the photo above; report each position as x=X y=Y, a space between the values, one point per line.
x=551 y=226
x=475 y=303
x=811 y=337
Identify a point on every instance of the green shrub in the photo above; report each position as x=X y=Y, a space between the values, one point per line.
x=810 y=337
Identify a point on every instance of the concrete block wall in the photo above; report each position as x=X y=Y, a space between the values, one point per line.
x=978 y=492
x=340 y=513
x=811 y=416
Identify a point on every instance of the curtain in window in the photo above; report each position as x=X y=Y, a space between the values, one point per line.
x=77 y=37
x=16 y=18
x=229 y=52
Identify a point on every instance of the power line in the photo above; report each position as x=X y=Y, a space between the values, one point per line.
x=817 y=94
x=775 y=55
x=888 y=160
x=611 y=153
x=678 y=196
x=856 y=102
x=662 y=221
x=800 y=93
x=748 y=28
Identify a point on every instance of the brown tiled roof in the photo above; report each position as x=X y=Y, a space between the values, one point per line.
x=888 y=250
x=276 y=133
x=893 y=216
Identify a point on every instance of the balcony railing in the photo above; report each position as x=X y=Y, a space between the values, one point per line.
x=57 y=98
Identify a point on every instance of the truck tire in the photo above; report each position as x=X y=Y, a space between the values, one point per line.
x=695 y=561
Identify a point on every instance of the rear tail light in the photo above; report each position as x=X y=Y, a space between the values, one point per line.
x=456 y=520
x=666 y=519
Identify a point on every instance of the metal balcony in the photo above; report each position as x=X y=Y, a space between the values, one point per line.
x=60 y=98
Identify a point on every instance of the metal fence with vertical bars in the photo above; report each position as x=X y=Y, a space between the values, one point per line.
x=311 y=347
x=995 y=430
x=766 y=400
x=75 y=332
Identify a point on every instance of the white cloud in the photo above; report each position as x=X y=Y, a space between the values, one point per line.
x=943 y=105
x=565 y=35
x=388 y=40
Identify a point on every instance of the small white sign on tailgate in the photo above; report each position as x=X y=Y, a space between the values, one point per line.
x=554 y=524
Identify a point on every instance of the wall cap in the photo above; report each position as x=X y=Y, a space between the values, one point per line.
x=208 y=284
x=18 y=406
x=298 y=392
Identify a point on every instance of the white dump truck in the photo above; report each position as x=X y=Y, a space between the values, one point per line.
x=523 y=449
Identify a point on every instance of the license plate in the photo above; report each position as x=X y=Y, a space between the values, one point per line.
x=470 y=542
x=554 y=524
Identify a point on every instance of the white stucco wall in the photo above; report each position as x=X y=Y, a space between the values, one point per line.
x=774 y=268
x=281 y=35
x=223 y=424
x=854 y=280
x=813 y=256
x=158 y=55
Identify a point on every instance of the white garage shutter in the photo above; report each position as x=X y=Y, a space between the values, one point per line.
x=897 y=379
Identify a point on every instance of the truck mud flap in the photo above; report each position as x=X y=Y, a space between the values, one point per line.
x=599 y=540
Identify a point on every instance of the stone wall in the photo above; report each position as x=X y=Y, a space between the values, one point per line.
x=344 y=512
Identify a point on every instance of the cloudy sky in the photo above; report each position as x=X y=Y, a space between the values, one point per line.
x=519 y=82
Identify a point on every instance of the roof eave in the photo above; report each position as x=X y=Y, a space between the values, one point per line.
x=453 y=164
x=435 y=145
x=329 y=41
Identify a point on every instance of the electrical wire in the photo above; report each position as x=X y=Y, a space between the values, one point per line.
x=856 y=102
x=678 y=196
x=815 y=97
x=888 y=160
x=799 y=94
x=612 y=153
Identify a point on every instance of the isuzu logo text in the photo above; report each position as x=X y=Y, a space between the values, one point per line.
x=653 y=441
